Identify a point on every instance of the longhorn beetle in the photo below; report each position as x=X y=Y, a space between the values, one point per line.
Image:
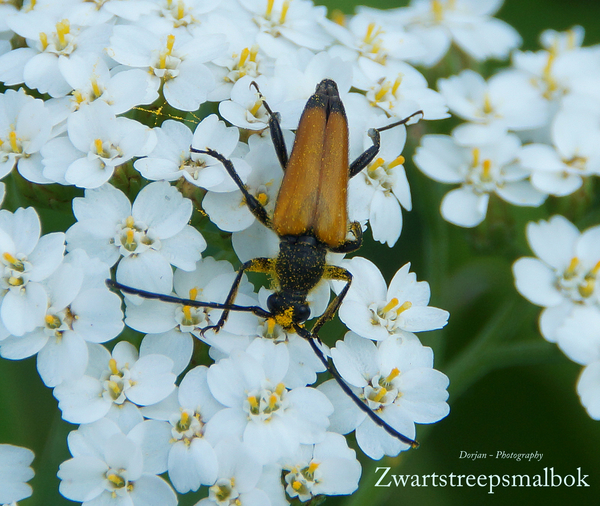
x=310 y=219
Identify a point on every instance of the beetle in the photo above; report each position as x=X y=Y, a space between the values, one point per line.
x=310 y=219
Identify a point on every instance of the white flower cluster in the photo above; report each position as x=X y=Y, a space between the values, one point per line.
x=532 y=130
x=563 y=280
x=249 y=426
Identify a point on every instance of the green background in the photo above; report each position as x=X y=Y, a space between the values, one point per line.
x=509 y=389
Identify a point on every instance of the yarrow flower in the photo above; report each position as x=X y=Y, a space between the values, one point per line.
x=563 y=281
x=147 y=236
x=15 y=472
x=113 y=467
x=396 y=379
x=27 y=259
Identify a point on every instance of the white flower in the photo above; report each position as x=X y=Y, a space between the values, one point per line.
x=79 y=308
x=246 y=109
x=112 y=468
x=564 y=274
x=284 y=25
x=25 y=126
x=192 y=461
x=395 y=379
x=150 y=235
x=99 y=142
x=380 y=191
x=575 y=154
x=563 y=68
x=507 y=100
x=374 y=311
x=91 y=80
x=15 y=472
x=176 y=61
x=328 y=468
x=271 y=419
x=50 y=38
x=114 y=379
x=238 y=477
x=399 y=90
x=26 y=259
x=211 y=281
x=481 y=169
x=172 y=160
x=374 y=35
x=468 y=23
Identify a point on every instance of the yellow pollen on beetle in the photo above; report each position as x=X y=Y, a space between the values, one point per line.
x=255 y=107
x=116 y=480
x=269 y=8
x=12 y=137
x=253 y=401
x=279 y=389
x=376 y=164
x=380 y=395
x=392 y=375
x=112 y=365
x=475 y=153
x=284 y=10
x=487 y=168
x=98 y=147
x=193 y=293
x=313 y=467
x=406 y=305
x=62 y=28
x=243 y=56
x=390 y=305
x=296 y=485
x=44 y=40
x=130 y=222
x=382 y=91
x=398 y=161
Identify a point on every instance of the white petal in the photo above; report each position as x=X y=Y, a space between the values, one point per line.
x=536 y=282
x=464 y=208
